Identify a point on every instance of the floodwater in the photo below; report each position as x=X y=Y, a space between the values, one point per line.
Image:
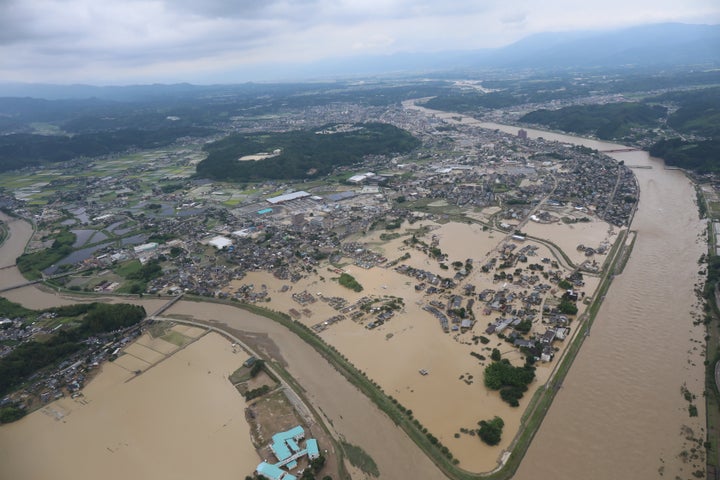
x=75 y=257
x=451 y=398
x=351 y=413
x=620 y=412
x=181 y=419
x=81 y=237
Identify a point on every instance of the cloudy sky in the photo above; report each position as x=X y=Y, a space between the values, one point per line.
x=119 y=42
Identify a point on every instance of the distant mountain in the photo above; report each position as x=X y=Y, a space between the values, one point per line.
x=650 y=45
x=658 y=45
x=670 y=44
x=77 y=91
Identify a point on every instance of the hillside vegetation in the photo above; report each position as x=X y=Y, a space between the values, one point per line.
x=303 y=153
x=22 y=150
x=609 y=121
x=699 y=119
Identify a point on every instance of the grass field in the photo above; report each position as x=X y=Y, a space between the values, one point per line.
x=176 y=338
x=360 y=459
x=128 y=268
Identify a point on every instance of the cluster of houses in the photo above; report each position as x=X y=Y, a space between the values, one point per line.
x=69 y=376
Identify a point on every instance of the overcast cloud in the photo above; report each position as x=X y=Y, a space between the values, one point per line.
x=117 y=42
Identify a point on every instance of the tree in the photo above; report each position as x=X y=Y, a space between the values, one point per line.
x=495 y=356
x=524 y=326
x=510 y=380
x=317 y=464
x=490 y=431
x=567 y=307
x=11 y=413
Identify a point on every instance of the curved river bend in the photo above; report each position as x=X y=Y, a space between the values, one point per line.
x=620 y=413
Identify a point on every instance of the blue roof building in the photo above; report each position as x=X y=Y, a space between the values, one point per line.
x=312 y=449
x=281 y=441
x=273 y=472
x=285 y=445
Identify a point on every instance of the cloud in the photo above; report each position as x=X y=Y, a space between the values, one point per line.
x=171 y=40
x=513 y=18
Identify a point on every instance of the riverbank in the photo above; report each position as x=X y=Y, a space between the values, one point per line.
x=660 y=343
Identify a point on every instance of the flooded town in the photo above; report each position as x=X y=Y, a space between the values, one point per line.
x=487 y=247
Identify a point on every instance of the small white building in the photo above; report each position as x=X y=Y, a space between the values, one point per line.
x=145 y=247
x=360 y=177
x=220 y=242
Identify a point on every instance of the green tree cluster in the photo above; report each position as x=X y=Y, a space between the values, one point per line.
x=524 y=326
x=257 y=367
x=257 y=392
x=608 y=121
x=147 y=272
x=10 y=309
x=31 y=264
x=11 y=413
x=21 y=150
x=348 y=281
x=567 y=307
x=698 y=155
x=490 y=431
x=511 y=381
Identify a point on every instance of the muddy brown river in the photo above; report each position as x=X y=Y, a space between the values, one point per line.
x=620 y=413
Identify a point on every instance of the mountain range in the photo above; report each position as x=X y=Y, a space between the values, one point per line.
x=657 y=45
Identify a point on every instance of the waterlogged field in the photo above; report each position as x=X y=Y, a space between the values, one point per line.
x=181 y=419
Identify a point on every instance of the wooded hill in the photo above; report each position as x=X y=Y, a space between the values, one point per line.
x=304 y=153
x=609 y=121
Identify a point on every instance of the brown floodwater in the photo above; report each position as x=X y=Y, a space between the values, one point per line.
x=14 y=246
x=180 y=420
x=620 y=412
x=351 y=414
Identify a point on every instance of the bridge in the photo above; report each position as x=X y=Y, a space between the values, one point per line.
x=20 y=285
x=617 y=150
x=35 y=282
x=169 y=304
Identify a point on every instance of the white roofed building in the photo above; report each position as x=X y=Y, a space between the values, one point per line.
x=361 y=177
x=220 y=242
x=287 y=197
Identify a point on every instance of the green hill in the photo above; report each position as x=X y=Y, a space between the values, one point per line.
x=303 y=153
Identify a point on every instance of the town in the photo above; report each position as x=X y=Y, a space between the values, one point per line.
x=143 y=225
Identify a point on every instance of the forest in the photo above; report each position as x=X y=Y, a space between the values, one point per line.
x=700 y=156
x=303 y=153
x=608 y=121
x=28 y=150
